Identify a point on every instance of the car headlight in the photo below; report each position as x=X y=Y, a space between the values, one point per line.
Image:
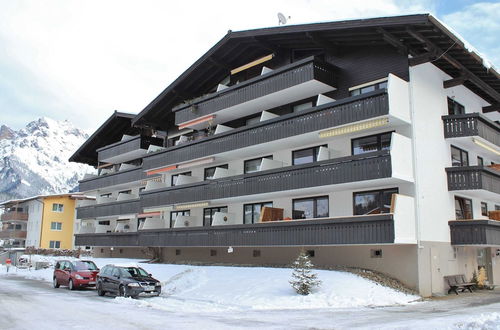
x=158 y=284
x=78 y=277
x=134 y=285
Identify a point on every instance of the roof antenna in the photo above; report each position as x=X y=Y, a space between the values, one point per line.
x=282 y=19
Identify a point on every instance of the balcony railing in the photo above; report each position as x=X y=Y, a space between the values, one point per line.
x=108 y=209
x=135 y=147
x=21 y=216
x=375 y=229
x=473 y=178
x=275 y=81
x=471 y=124
x=475 y=232
x=112 y=179
x=12 y=234
x=342 y=112
x=371 y=166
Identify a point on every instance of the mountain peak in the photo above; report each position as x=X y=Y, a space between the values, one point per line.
x=6 y=133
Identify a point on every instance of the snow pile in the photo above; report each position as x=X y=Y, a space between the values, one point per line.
x=484 y=321
x=34 y=160
x=218 y=288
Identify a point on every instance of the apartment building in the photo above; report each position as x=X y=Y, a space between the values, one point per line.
x=368 y=143
x=46 y=221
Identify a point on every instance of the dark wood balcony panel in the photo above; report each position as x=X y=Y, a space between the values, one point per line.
x=475 y=232
x=291 y=75
x=371 y=166
x=130 y=149
x=112 y=179
x=342 y=112
x=471 y=124
x=378 y=229
x=20 y=216
x=108 y=209
x=473 y=178
x=12 y=234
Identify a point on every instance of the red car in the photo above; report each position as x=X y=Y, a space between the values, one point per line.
x=75 y=274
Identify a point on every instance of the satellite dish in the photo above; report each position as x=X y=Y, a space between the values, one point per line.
x=281 y=19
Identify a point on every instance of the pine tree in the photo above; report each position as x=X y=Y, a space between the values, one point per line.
x=474 y=278
x=481 y=277
x=303 y=279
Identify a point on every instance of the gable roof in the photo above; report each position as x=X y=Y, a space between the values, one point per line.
x=422 y=36
x=109 y=132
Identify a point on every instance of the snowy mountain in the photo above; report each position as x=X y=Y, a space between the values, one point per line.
x=34 y=160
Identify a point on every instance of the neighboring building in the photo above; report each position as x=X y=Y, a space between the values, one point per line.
x=375 y=136
x=13 y=225
x=42 y=221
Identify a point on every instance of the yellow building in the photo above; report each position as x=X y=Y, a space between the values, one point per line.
x=58 y=218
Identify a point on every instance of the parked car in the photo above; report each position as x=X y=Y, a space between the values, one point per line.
x=75 y=274
x=127 y=281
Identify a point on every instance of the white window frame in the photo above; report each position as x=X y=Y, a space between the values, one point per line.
x=56 y=226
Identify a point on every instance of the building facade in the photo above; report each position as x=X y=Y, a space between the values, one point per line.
x=368 y=143
x=42 y=221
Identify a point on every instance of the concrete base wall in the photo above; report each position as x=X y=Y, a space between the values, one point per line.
x=397 y=261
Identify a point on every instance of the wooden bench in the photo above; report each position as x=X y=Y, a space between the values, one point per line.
x=458 y=282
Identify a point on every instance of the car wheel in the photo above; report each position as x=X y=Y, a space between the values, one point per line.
x=100 y=291
x=122 y=291
x=71 y=286
x=56 y=284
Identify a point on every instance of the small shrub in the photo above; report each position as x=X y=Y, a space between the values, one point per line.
x=303 y=279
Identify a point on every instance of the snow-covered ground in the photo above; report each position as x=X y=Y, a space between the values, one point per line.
x=214 y=297
x=218 y=288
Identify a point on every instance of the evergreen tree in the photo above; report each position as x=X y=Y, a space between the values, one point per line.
x=481 y=277
x=303 y=279
x=474 y=278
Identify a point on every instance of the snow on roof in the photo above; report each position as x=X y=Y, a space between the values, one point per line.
x=70 y=195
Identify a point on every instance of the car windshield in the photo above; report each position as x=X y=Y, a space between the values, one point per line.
x=84 y=265
x=133 y=272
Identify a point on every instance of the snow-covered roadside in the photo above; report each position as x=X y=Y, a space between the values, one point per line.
x=217 y=288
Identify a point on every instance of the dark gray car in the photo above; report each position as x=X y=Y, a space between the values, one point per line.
x=126 y=281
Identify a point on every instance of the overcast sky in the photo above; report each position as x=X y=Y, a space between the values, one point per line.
x=80 y=60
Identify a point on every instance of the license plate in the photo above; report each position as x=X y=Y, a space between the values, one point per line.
x=91 y=282
x=149 y=288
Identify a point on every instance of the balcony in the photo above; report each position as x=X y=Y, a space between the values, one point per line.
x=476 y=181
x=473 y=131
x=376 y=165
x=19 y=216
x=293 y=82
x=112 y=179
x=12 y=234
x=475 y=232
x=374 y=229
x=127 y=149
x=108 y=209
x=353 y=109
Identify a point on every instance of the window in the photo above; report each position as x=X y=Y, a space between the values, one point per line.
x=57 y=207
x=459 y=157
x=177 y=252
x=252 y=211
x=129 y=191
x=371 y=143
x=176 y=176
x=497 y=207
x=373 y=202
x=375 y=253
x=304 y=156
x=104 y=223
x=56 y=226
x=310 y=253
x=480 y=161
x=209 y=172
x=302 y=106
x=463 y=208
x=253 y=120
x=253 y=165
x=55 y=244
x=307 y=208
x=367 y=89
x=108 y=195
x=256 y=253
x=484 y=209
x=174 y=214
x=213 y=253
x=208 y=214
x=455 y=108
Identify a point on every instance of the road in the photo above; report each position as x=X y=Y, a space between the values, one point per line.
x=33 y=304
